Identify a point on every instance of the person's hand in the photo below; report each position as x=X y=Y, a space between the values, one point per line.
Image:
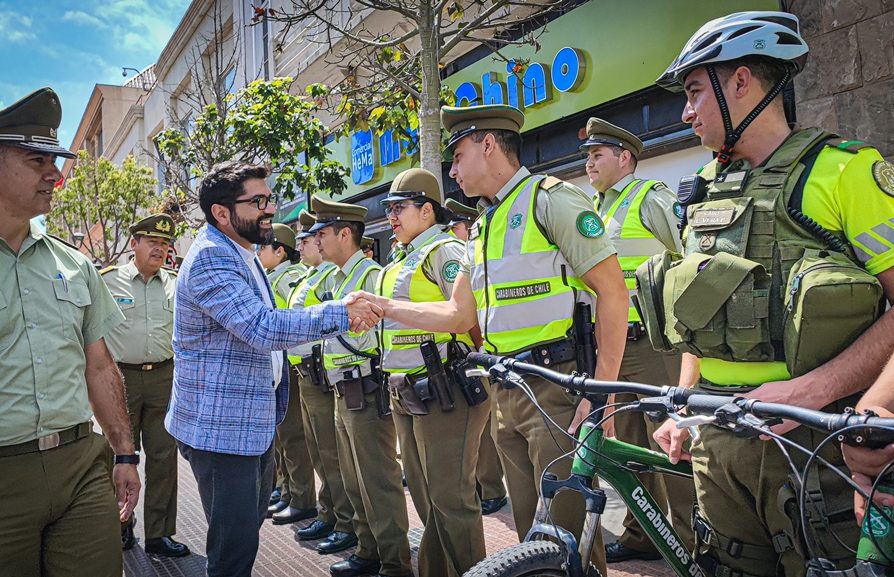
x=671 y=440
x=866 y=464
x=788 y=393
x=127 y=490
x=363 y=311
x=583 y=409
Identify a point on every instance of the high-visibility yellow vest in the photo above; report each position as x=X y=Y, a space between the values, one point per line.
x=292 y=273
x=304 y=295
x=337 y=357
x=524 y=287
x=404 y=280
x=633 y=241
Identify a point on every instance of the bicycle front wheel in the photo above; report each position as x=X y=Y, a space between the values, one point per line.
x=529 y=559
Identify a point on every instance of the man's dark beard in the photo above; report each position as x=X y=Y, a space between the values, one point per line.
x=250 y=230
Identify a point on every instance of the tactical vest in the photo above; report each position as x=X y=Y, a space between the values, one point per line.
x=633 y=241
x=726 y=300
x=404 y=280
x=304 y=295
x=335 y=356
x=524 y=287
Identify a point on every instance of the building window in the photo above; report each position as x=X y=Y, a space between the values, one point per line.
x=260 y=39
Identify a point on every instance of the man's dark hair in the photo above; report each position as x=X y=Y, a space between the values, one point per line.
x=357 y=229
x=508 y=141
x=768 y=71
x=617 y=150
x=224 y=183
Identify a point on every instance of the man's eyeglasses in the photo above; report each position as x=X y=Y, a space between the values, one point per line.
x=398 y=207
x=260 y=201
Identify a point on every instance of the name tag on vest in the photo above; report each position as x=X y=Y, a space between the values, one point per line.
x=712 y=217
x=411 y=339
x=519 y=292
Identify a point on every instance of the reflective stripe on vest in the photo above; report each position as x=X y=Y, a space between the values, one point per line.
x=304 y=295
x=524 y=288
x=633 y=241
x=404 y=280
x=335 y=355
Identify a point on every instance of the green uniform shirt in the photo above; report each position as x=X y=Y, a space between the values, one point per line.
x=145 y=335
x=439 y=263
x=52 y=303
x=656 y=212
x=557 y=210
x=283 y=275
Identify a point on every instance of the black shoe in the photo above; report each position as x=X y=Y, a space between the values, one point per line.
x=354 y=566
x=338 y=541
x=491 y=506
x=128 y=539
x=276 y=508
x=290 y=515
x=316 y=530
x=275 y=496
x=617 y=552
x=166 y=547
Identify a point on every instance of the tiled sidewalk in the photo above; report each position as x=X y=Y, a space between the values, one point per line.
x=282 y=554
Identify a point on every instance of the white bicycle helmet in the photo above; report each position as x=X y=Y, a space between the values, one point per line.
x=771 y=34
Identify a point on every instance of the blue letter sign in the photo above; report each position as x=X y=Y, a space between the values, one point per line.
x=362 y=160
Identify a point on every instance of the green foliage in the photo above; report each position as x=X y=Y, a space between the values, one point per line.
x=102 y=200
x=263 y=122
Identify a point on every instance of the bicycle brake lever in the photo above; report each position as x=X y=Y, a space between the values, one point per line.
x=691 y=423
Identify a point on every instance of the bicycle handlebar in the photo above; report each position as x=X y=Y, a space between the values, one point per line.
x=864 y=430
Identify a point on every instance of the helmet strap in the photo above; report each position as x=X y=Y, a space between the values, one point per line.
x=725 y=154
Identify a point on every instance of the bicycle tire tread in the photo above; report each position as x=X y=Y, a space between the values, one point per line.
x=522 y=560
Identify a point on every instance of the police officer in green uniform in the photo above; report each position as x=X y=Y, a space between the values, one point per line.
x=367 y=444
x=490 y=471
x=779 y=214
x=318 y=405
x=640 y=221
x=141 y=346
x=297 y=500
x=439 y=425
x=367 y=245
x=523 y=273
x=57 y=373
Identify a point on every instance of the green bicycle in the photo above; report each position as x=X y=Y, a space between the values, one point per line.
x=550 y=550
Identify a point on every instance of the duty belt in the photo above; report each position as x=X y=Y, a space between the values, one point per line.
x=146 y=366
x=51 y=441
x=550 y=354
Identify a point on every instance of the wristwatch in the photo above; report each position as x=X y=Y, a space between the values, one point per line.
x=132 y=459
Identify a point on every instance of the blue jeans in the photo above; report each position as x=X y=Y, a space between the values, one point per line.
x=235 y=491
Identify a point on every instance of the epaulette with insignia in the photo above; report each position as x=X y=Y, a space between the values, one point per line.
x=852 y=146
x=171 y=270
x=108 y=269
x=550 y=182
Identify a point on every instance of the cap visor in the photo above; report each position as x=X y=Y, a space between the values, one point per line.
x=401 y=196
x=318 y=227
x=301 y=235
x=46 y=149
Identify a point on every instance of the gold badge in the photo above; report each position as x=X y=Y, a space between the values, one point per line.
x=883 y=173
x=163 y=226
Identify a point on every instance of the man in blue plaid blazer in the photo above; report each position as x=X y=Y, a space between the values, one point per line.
x=230 y=380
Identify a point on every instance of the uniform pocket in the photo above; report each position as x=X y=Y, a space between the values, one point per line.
x=72 y=298
x=720 y=226
x=7 y=323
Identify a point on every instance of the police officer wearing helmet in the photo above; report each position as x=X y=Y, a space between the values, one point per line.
x=640 y=221
x=142 y=347
x=523 y=244
x=367 y=441
x=438 y=427
x=490 y=471
x=333 y=521
x=297 y=500
x=57 y=374
x=775 y=212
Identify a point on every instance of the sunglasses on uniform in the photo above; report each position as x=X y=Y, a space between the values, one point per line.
x=398 y=207
x=260 y=201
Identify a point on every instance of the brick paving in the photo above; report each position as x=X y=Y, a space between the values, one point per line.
x=281 y=554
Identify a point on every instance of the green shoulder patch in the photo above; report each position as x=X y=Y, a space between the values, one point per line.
x=883 y=173
x=589 y=224
x=450 y=270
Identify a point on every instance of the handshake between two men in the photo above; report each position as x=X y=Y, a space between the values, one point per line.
x=364 y=312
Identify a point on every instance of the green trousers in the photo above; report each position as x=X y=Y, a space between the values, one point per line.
x=526 y=447
x=743 y=488
x=439 y=452
x=291 y=453
x=367 y=454
x=318 y=415
x=58 y=516
x=642 y=364
x=148 y=394
x=489 y=472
